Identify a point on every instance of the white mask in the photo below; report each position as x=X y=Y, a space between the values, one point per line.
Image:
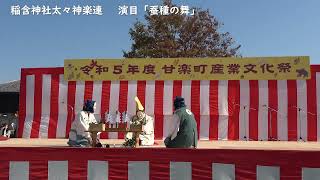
x=94 y=107
x=140 y=114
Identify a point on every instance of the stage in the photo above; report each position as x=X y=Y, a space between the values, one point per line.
x=52 y=159
x=240 y=145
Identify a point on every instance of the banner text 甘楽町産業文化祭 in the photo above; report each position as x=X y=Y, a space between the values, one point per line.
x=260 y=68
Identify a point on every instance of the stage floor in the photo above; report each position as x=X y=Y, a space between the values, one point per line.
x=248 y=145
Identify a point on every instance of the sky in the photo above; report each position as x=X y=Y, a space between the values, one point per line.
x=261 y=27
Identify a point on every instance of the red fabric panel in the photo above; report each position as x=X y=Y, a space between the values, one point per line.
x=38 y=170
x=118 y=169
x=159 y=170
x=70 y=104
x=105 y=100
x=195 y=102
x=51 y=70
x=273 y=103
x=292 y=111
x=177 y=90
x=202 y=170
x=158 y=109
x=245 y=171
x=4 y=170
x=54 y=106
x=88 y=90
x=37 y=106
x=141 y=92
x=253 y=111
x=291 y=172
x=22 y=103
x=312 y=107
x=233 y=109
x=77 y=169
x=214 y=110
x=123 y=100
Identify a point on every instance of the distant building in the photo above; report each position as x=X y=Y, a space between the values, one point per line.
x=9 y=97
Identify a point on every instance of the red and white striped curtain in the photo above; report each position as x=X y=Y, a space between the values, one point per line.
x=224 y=110
x=157 y=163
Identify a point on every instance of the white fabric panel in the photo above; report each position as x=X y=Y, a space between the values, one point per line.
x=168 y=124
x=30 y=87
x=114 y=103
x=282 y=115
x=19 y=170
x=180 y=170
x=223 y=110
x=268 y=173
x=244 y=109
x=138 y=170
x=204 y=110
x=223 y=127
x=114 y=97
x=263 y=110
x=149 y=98
x=168 y=98
x=79 y=97
x=223 y=171
x=57 y=170
x=186 y=93
x=45 y=107
x=318 y=105
x=204 y=97
x=310 y=173
x=223 y=98
x=204 y=127
x=302 y=104
x=132 y=93
x=97 y=170
x=63 y=107
x=167 y=106
x=96 y=96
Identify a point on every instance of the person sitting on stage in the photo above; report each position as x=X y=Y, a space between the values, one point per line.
x=5 y=130
x=146 y=137
x=184 y=132
x=78 y=136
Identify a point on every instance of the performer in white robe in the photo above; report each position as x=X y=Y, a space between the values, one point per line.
x=77 y=135
x=5 y=131
x=147 y=135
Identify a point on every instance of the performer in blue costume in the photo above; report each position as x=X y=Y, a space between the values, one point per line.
x=184 y=132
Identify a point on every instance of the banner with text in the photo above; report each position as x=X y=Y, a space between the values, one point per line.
x=260 y=68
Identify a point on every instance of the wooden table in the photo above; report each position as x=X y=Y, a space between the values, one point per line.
x=94 y=134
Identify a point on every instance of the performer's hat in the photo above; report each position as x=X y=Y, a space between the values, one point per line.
x=179 y=102
x=139 y=106
x=88 y=106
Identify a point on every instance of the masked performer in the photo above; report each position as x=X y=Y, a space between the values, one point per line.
x=77 y=135
x=184 y=127
x=146 y=137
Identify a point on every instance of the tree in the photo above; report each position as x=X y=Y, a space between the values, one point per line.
x=180 y=36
